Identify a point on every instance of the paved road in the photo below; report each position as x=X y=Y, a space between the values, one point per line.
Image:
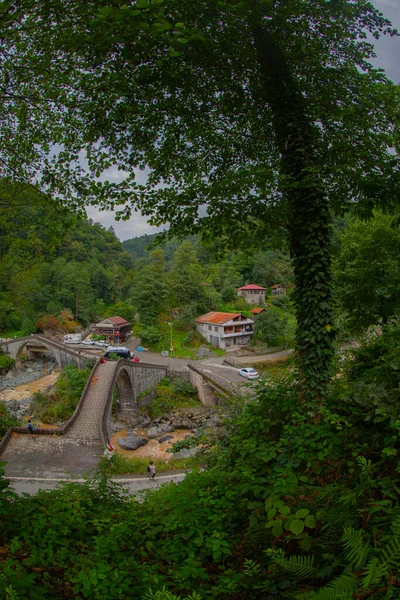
x=31 y=485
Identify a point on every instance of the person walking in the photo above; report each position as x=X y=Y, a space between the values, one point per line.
x=152 y=470
x=30 y=427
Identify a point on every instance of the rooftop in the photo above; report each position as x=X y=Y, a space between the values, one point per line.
x=217 y=317
x=252 y=286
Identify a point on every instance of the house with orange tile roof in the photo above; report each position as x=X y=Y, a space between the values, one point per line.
x=114 y=329
x=225 y=330
x=253 y=294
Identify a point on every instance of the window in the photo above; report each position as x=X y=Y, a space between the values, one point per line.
x=209 y=328
x=215 y=328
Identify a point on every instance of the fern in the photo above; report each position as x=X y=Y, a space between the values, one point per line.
x=373 y=573
x=396 y=526
x=341 y=588
x=357 y=549
x=300 y=566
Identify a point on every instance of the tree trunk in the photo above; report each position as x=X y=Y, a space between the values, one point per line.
x=308 y=221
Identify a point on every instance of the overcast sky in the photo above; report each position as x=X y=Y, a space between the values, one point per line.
x=388 y=51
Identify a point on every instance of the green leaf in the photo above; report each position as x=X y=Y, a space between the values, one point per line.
x=296 y=526
x=301 y=513
x=310 y=522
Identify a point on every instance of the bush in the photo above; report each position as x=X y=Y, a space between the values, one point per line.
x=183 y=387
x=171 y=395
x=48 y=323
x=283 y=302
x=6 y=362
x=59 y=405
x=6 y=420
x=151 y=336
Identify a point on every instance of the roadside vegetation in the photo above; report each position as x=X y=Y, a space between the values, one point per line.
x=58 y=405
x=122 y=465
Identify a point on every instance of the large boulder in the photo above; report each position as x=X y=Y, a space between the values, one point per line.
x=132 y=442
x=183 y=423
x=168 y=428
x=154 y=433
x=165 y=438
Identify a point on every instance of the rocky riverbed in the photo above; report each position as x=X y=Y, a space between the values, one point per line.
x=152 y=438
x=18 y=385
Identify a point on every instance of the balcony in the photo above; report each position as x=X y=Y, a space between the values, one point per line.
x=238 y=332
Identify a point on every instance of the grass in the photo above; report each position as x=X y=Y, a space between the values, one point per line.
x=121 y=465
x=182 y=348
x=276 y=367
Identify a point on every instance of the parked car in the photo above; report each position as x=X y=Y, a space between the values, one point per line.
x=122 y=352
x=248 y=373
x=88 y=342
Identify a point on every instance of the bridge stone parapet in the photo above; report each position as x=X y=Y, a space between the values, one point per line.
x=32 y=344
x=208 y=387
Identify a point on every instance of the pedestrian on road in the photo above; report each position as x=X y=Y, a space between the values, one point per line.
x=152 y=470
x=30 y=427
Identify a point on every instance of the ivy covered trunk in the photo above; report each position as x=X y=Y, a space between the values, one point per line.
x=308 y=218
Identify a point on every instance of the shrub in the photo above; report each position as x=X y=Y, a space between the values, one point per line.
x=6 y=420
x=283 y=302
x=59 y=405
x=48 y=322
x=6 y=362
x=151 y=336
x=183 y=387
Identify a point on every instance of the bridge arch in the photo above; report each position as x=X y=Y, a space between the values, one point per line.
x=30 y=346
x=61 y=353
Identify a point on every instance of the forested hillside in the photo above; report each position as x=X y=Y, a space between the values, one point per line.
x=51 y=260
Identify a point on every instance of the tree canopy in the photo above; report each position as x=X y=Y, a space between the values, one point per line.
x=248 y=115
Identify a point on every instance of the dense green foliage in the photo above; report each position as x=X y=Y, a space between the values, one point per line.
x=51 y=261
x=6 y=362
x=6 y=420
x=286 y=509
x=367 y=271
x=171 y=395
x=59 y=404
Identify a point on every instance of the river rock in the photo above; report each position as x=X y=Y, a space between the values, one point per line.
x=153 y=433
x=186 y=453
x=132 y=442
x=165 y=438
x=168 y=428
x=183 y=423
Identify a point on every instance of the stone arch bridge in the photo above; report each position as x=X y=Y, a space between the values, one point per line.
x=78 y=446
x=32 y=345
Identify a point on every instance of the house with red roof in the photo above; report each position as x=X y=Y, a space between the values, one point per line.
x=225 y=330
x=114 y=329
x=253 y=294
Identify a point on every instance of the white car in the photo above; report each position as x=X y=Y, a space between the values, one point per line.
x=87 y=342
x=248 y=373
